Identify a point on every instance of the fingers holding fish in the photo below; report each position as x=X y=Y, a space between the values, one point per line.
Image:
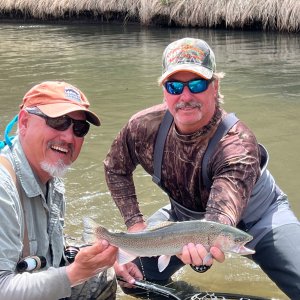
x=217 y=254
x=190 y=255
x=193 y=254
x=100 y=252
x=90 y=261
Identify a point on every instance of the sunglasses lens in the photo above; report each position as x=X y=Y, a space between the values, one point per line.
x=195 y=86
x=198 y=86
x=174 y=87
x=59 y=123
x=80 y=128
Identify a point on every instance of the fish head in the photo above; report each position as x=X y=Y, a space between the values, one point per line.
x=233 y=240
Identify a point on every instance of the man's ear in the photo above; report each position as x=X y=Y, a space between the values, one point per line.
x=23 y=121
x=216 y=87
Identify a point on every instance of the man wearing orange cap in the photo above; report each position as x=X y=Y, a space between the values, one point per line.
x=52 y=122
x=210 y=165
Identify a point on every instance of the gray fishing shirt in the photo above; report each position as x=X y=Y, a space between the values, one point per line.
x=45 y=209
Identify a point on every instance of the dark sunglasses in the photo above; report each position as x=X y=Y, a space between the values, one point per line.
x=195 y=86
x=80 y=127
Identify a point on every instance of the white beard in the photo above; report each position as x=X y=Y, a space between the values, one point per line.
x=59 y=169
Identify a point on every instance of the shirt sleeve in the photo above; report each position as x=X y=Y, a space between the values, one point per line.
x=235 y=168
x=119 y=165
x=51 y=284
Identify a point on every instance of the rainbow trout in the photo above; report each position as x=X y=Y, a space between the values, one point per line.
x=168 y=239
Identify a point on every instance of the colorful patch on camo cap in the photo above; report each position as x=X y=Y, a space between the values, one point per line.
x=188 y=54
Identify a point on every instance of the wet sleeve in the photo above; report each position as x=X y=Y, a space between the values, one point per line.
x=235 y=169
x=119 y=165
x=51 y=284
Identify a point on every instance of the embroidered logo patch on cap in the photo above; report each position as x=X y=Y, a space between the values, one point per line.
x=186 y=54
x=190 y=55
x=72 y=94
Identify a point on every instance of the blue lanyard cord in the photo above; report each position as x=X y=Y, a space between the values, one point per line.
x=8 y=139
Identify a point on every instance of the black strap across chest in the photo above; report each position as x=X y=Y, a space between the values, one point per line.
x=164 y=128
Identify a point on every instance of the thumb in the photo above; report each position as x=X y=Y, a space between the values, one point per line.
x=99 y=246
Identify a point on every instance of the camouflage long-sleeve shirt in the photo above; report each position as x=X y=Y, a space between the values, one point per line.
x=234 y=166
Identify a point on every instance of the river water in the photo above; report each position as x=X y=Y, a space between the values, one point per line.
x=117 y=67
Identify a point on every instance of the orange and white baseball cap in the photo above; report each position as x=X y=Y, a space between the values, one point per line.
x=58 y=98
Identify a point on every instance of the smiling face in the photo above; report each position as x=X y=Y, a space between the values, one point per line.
x=49 y=152
x=191 y=111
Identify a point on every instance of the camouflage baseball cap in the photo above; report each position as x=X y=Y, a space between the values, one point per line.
x=188 y=54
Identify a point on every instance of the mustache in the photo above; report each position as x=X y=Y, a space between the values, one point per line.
x=191 y=104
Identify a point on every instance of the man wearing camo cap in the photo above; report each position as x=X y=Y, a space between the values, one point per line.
x=210 y=165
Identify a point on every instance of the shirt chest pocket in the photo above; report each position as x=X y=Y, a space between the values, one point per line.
x=36 y=226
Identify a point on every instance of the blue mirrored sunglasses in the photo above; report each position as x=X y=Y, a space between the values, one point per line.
x=195 y=86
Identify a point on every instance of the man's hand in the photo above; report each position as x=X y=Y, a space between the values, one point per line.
x=197 y=255
x=137 y=227
x=90 y=261
x=129 y=272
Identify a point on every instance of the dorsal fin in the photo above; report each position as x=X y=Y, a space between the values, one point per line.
x=159 y=225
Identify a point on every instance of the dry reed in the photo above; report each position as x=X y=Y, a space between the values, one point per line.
x=278 y=15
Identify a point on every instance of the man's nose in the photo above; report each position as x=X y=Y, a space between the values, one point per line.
x=186 y=94
x=68 y=134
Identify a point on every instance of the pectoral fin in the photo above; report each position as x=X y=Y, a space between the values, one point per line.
x=163 y=262
x=159 y=225
x=124 y=257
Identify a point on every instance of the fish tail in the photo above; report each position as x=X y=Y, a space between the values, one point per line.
x=102 y=233
x=92 y=231
x=89 y=227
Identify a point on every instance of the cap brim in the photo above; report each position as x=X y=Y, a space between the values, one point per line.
x=60 y=109
x=197 y=69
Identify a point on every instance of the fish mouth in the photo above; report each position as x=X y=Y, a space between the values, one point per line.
x=242 y=250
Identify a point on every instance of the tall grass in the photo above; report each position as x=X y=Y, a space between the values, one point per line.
x=278 y=15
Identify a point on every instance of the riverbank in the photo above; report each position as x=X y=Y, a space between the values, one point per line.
x=269 y=15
